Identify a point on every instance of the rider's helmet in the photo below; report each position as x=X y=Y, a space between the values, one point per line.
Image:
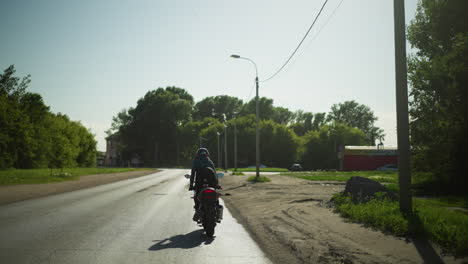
x=203 y=152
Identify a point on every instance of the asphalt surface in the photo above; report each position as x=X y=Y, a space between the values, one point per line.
x=142 y=220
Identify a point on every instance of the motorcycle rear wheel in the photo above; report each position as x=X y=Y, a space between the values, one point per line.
x=209 y=222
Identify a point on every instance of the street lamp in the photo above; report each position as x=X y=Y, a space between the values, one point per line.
x=257 y=133
x=201 y=141
x=219 y=153
x=235 y=141
x=225 y=149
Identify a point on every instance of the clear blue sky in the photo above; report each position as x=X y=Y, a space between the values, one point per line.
x=90 y=59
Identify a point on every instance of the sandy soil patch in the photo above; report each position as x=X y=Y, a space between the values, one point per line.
x=10 y=194
x=292 y=223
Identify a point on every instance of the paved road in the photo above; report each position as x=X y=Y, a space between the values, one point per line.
x=142 y=220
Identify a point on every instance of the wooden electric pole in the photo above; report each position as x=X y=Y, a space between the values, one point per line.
x=404 y=173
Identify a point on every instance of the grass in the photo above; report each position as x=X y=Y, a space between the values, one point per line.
x=443 y=201
x=435 y=200
x=37 y=176
x=261 y=169
x=260 y=179
x=342 y=176
x=238 y=173
x=445 y=227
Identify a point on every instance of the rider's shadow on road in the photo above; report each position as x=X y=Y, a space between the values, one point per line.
x=189 y=240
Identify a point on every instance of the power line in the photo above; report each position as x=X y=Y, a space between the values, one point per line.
x=326 y=22
x=250 y=93
x=298 y=46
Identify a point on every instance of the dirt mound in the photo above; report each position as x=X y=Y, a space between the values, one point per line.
x=362 y=189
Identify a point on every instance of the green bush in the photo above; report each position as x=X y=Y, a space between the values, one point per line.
x=393 y=187
x=381 y=213
x=445 y=227
x=342 y=176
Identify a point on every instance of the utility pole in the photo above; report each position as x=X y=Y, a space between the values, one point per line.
x=401 y=82
x=257 y=134
x=225 y=148
x=219 y=151
x=201 y=141
x=178 y=152
x=235 y=141
x=155 y=152
x=257 y=111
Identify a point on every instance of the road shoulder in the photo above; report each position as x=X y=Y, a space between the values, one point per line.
x=291 y=222
x=15 y=193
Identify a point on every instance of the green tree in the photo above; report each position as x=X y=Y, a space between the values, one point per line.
x=307 y=121
x=12 y=131
x=438 y=73
x=319 y=121
x=32 y=155
x=278 y=145
x=32 y=137
x=11 y=86
x=358 y=116
x=191 y=134
x=70 y=143
x=121 y=120
x=245 y=140
x=216 y=106
x=282 y=115
x=151 y=129
x=320 y=146
x=15 y=128
x=265 y=106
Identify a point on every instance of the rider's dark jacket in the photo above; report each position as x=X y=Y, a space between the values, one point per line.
x=198 y=170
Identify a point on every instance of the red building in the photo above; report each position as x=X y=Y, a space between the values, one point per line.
x=368 y=157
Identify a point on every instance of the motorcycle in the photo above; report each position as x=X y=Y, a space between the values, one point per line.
x=209 y=212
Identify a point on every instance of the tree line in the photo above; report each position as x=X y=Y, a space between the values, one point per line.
x=166 y=127
x=31 y=136
x=438 y=73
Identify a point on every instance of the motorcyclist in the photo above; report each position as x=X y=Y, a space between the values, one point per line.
x=203 y=172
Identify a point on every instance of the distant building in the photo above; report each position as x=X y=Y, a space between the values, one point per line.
x=368 y=157
x=100 y=157
x=112 y=155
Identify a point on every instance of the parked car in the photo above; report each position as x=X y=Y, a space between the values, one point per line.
x=388 y=167
x=296 y=167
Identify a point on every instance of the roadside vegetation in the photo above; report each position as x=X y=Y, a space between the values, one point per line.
x=287 y=137
x=261 y=169
x=37 y=176
x=260 y=179
x=343 y=176
x=446 y=227
x=31 y=136
x=439 y=218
